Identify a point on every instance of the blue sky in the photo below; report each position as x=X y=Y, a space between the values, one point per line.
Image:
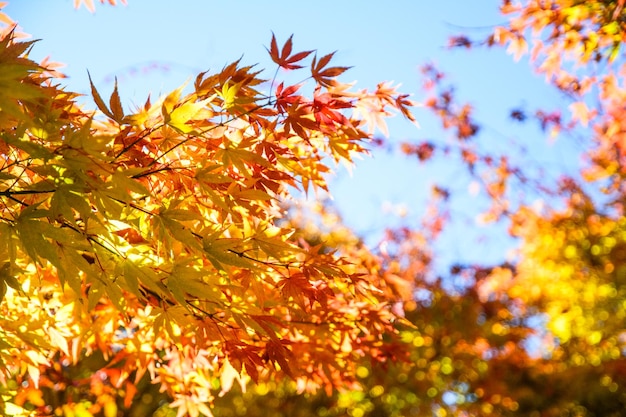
x=154 y=46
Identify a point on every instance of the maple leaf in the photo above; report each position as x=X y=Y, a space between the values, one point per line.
x=285 y=97
x=297 y=287
x=299 y=120
x=284 y=59
x=324 y=76
x=325 y=106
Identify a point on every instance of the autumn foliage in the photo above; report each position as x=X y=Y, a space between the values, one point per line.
x=155 y=239
x=154 y=261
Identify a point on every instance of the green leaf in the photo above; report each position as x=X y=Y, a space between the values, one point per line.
x=145 y=276
x=123 y=182
x=6 y=176
x=169 y=223
x=34 y=150
x=274 y=246
x=188 y=282
x=32 y=234
x=8 y=279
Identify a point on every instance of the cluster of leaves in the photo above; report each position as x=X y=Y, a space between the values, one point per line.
x=542 y=336
x=150 y=246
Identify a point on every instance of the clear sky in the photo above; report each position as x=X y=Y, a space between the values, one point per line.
x=156 y=45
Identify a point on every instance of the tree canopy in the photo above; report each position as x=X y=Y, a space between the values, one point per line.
x=153 y=262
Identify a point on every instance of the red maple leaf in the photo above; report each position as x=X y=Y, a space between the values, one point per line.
x=282 y=58
x=324 y=75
